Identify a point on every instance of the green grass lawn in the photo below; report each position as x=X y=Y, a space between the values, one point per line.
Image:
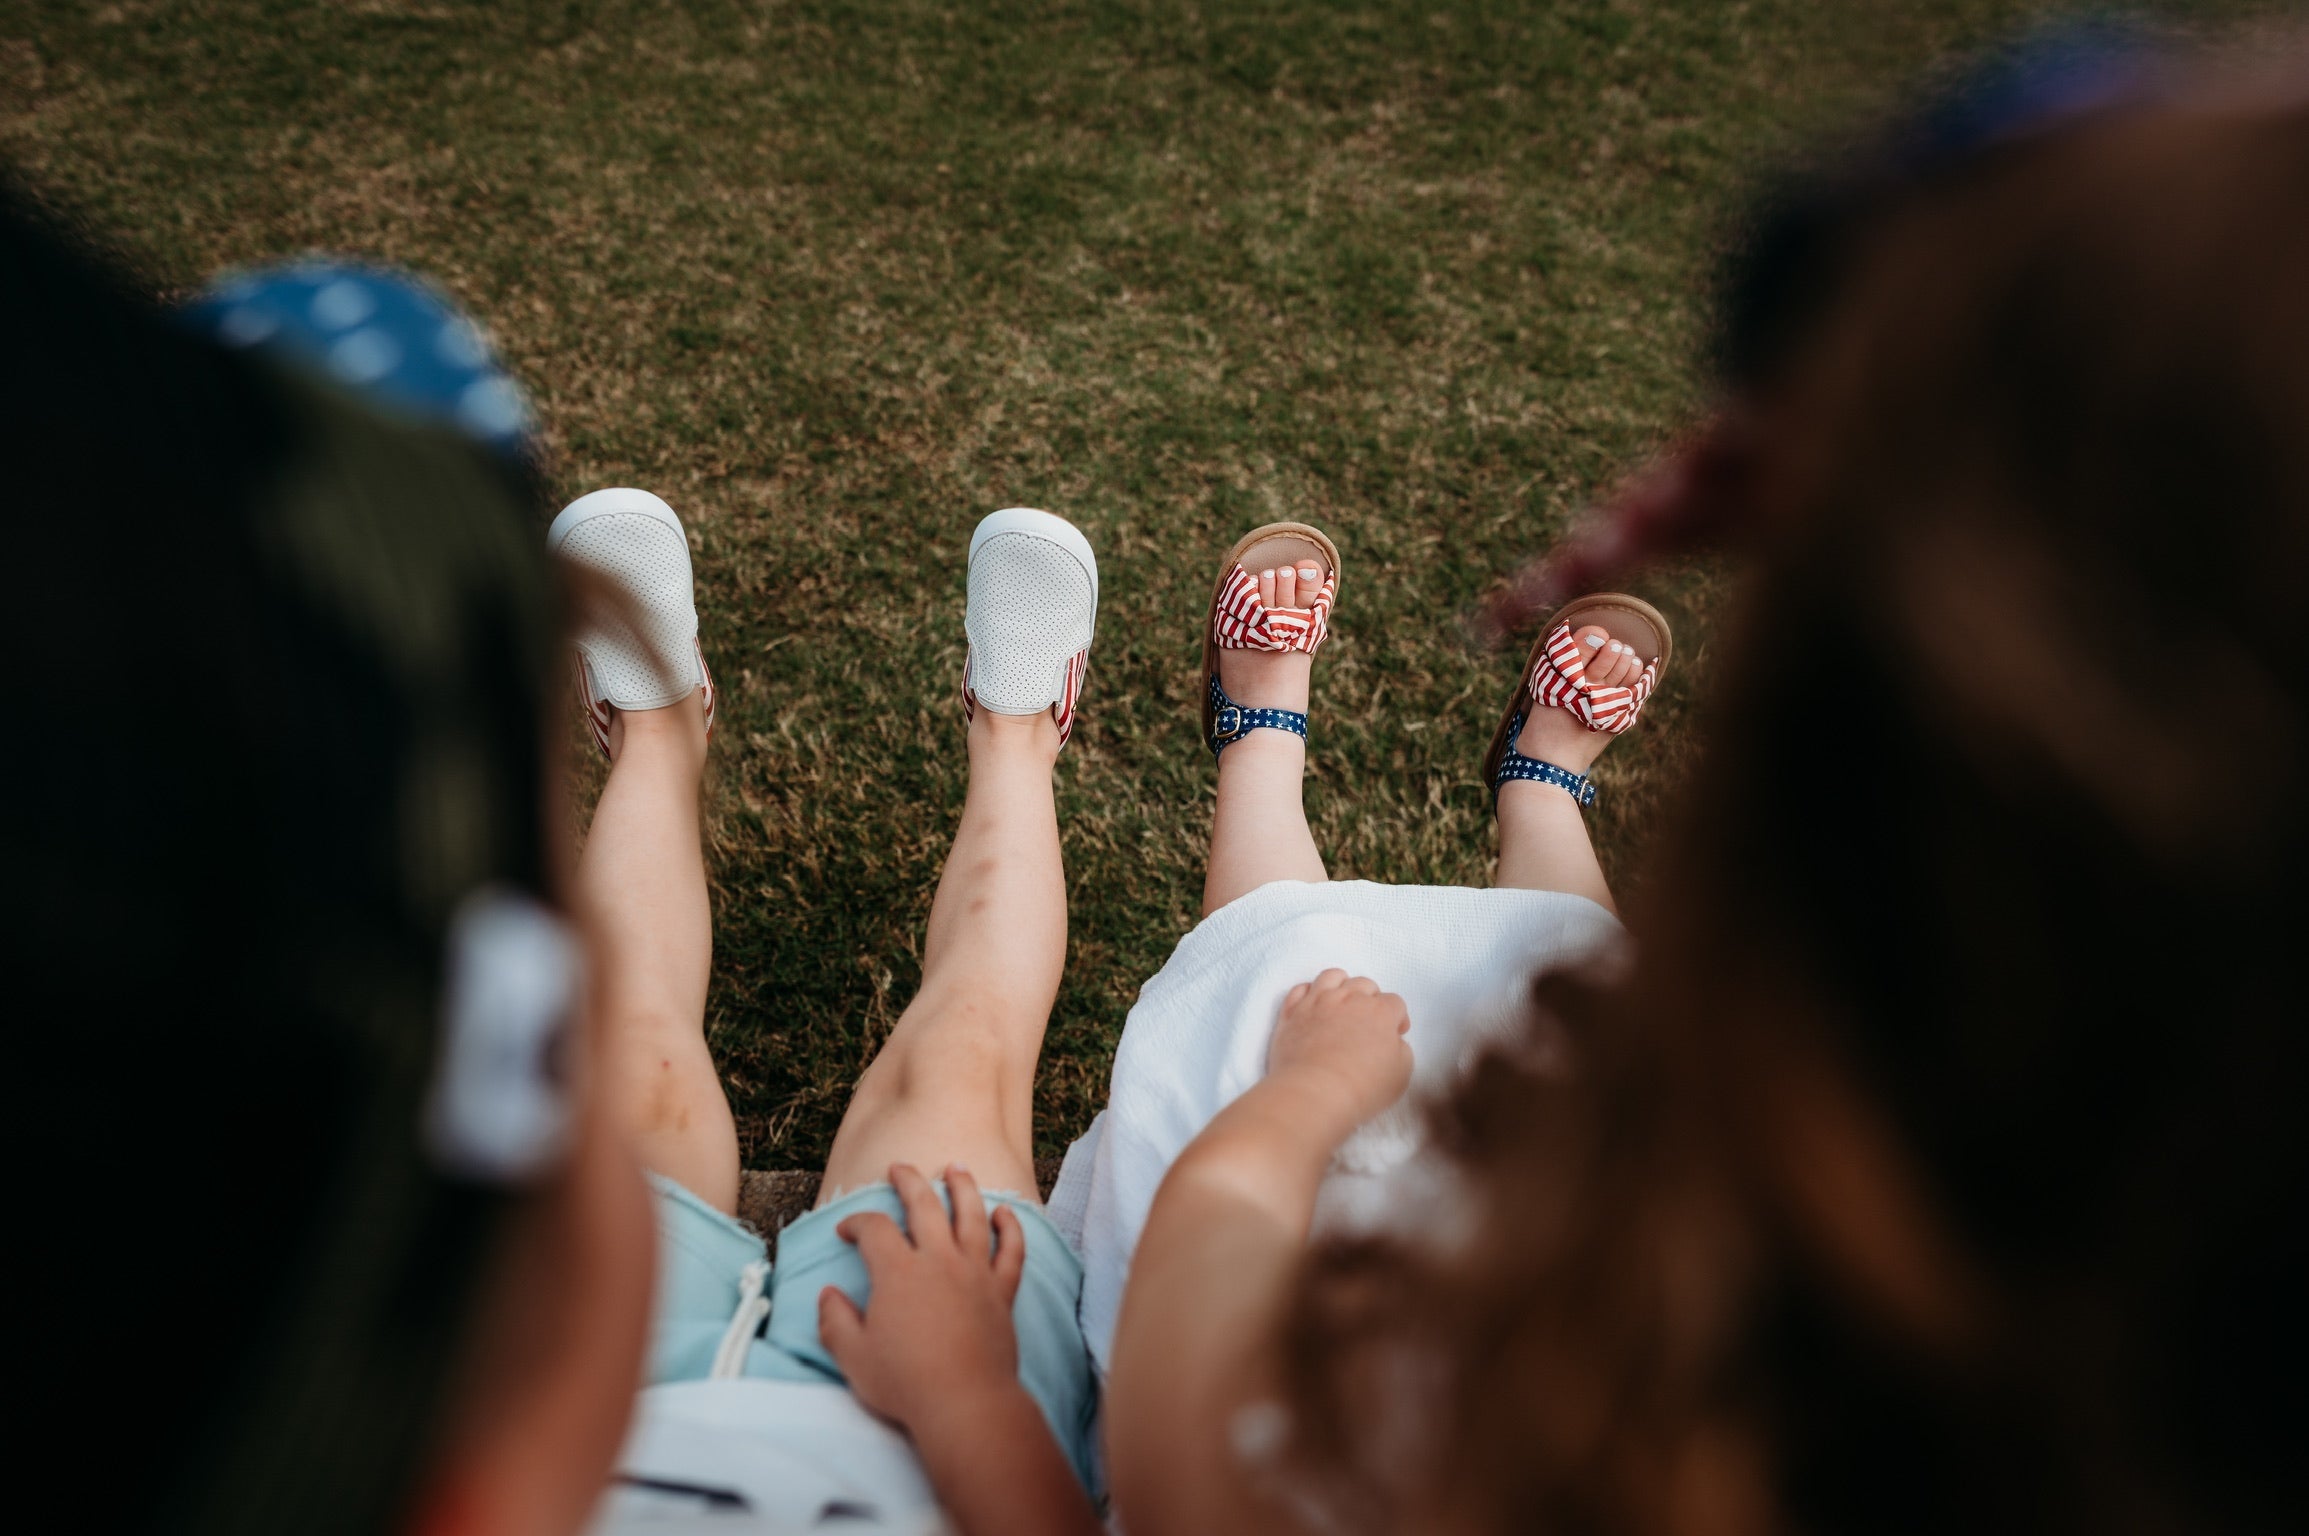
x=838 y=279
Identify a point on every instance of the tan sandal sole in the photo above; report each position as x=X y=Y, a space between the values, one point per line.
x=1620 y=615
x=1293 y=542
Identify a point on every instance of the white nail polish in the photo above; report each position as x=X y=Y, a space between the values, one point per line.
x=1595 y=639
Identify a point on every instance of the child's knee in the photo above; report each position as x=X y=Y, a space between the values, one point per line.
x=957 y=1065
x=968 y=1030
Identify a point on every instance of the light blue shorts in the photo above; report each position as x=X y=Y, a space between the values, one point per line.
x=703 y=1254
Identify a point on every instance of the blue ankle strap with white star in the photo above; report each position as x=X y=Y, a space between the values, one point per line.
x=1231 y=722
x=1516 y=766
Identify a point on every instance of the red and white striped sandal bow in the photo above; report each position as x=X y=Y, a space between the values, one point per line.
x=1555 y=675
x=1240 y=622
x=1559 y=681
x=598 y=711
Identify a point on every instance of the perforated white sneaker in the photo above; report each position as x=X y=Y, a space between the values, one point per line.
x=635 y=541
x=1032 y=611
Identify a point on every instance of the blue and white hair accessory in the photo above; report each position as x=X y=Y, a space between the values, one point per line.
x=386 y=335
x=499 y=1108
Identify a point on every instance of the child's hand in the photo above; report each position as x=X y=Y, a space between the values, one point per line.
x=1343 y=1038
x=937 y=1328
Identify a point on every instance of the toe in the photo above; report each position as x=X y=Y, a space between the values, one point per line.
x=1267 y=588
x=1287 y=586
x=1594 y=649
x=1623 y=670
x=1604 y=671
x=1310 y=582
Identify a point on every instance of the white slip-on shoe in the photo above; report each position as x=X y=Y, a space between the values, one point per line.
x=1032 y=611
x=635 y=541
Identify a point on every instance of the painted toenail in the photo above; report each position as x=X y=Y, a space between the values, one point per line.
x=1595 y=639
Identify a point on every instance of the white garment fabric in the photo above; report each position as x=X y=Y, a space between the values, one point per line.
x=1463 y=961
x=764 y=1458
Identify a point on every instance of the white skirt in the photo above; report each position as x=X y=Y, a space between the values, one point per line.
x=1462 y=959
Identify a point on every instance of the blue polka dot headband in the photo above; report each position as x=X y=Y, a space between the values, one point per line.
x=384 y=334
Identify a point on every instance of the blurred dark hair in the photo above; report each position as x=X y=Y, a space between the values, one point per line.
x=275 y=678
x=1943 y=1164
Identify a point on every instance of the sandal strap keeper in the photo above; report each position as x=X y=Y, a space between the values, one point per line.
x=1231 y=722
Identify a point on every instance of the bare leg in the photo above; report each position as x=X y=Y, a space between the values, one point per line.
x=1259 y=831
x=954 y=1083
x=1543 y=841
x=641 y=884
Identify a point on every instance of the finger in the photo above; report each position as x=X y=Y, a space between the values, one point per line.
x=1330 y=980
x=841 y=1326
x=969 y=1211
x=876 y=1237
x=925 y=1216
x=1009 y=1252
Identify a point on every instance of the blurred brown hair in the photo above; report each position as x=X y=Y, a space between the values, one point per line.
x=1942 y=1164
